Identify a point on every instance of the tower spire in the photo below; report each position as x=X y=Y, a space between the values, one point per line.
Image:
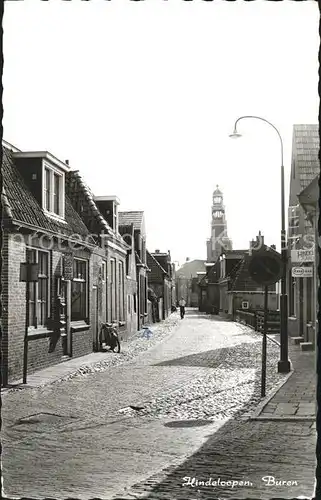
x=219 y=240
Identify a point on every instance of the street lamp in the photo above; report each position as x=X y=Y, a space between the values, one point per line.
x=284 y=365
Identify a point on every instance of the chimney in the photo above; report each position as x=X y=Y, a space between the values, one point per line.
x=187 y=259
x=67 y=162
x=157 y=250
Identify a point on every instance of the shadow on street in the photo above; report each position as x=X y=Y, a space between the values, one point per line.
x=255 y=459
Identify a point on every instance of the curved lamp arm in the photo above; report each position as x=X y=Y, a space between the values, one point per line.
x=263 y=120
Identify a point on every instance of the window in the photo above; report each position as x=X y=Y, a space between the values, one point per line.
x=79 y=290
x=128 y=303
x=115 y=217
x=127 y=264
x=47 y=189
x=146 y=295
x=143 y=258
x=218 y=214
x=53 y=191
x=39 y=291
x=56 y=201
x=113 y=311
x=104 y=289
x=121 y=291
x=217 y=199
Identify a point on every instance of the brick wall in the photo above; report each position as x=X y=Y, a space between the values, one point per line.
x=43 y=351
x=4 y=309
x=16 y=306
x=82 y=343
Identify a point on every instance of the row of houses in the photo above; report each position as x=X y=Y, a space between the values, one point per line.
x=93 y=265
x=224 y=285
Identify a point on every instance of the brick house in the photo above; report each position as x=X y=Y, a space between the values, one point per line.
x=168 y=294
x=40 y=225
x=136 y=218
x=100 y=215
x=302 y=291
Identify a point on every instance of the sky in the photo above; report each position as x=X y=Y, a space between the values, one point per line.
x=141 y=98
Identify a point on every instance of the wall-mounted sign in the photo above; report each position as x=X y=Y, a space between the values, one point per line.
x=302 y=272
x=29 y=272
x=302 y=255
x=68 y=266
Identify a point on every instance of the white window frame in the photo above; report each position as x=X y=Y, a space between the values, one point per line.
x=121 y=290
x=53 y=170
x=86 y=281
x=37 y=250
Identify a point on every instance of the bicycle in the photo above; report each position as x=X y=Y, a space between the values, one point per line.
x=109 y=336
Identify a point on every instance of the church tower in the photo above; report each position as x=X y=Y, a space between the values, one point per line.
x=219 y=240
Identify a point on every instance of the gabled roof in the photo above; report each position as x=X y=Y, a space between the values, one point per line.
x=233 y=254
x=211 y=276
x=21 y=206
x=306 y=143
x=135 y=218
x=241 y=280
x=191 y=268
x=157 y=272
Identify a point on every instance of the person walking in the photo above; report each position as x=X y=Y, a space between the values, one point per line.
x=182 y=305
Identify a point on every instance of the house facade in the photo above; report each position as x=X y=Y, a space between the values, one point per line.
x=302 y=234
x=54 y=315
x=169 y=289
x=127 y=232
x=137 y=219
x=100 y=215
x=159 y=281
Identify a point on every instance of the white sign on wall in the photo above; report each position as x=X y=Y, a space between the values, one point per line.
x=302 y=255
x=302 y=272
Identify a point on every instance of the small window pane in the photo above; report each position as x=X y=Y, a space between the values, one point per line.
x=56 y=193
x=47 y=189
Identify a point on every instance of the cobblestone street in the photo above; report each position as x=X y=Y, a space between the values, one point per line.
x=148 y=418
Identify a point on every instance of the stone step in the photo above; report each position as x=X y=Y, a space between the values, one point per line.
x=297 y=340
x=307 y=346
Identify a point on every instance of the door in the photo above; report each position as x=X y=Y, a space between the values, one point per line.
x=95 y=320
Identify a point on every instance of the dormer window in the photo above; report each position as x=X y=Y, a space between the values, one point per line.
x=53 y=190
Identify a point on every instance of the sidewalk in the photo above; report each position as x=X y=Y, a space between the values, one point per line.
x=97 y=361
x=295 y=399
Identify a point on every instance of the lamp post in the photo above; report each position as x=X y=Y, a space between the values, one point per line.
x=284 y=365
